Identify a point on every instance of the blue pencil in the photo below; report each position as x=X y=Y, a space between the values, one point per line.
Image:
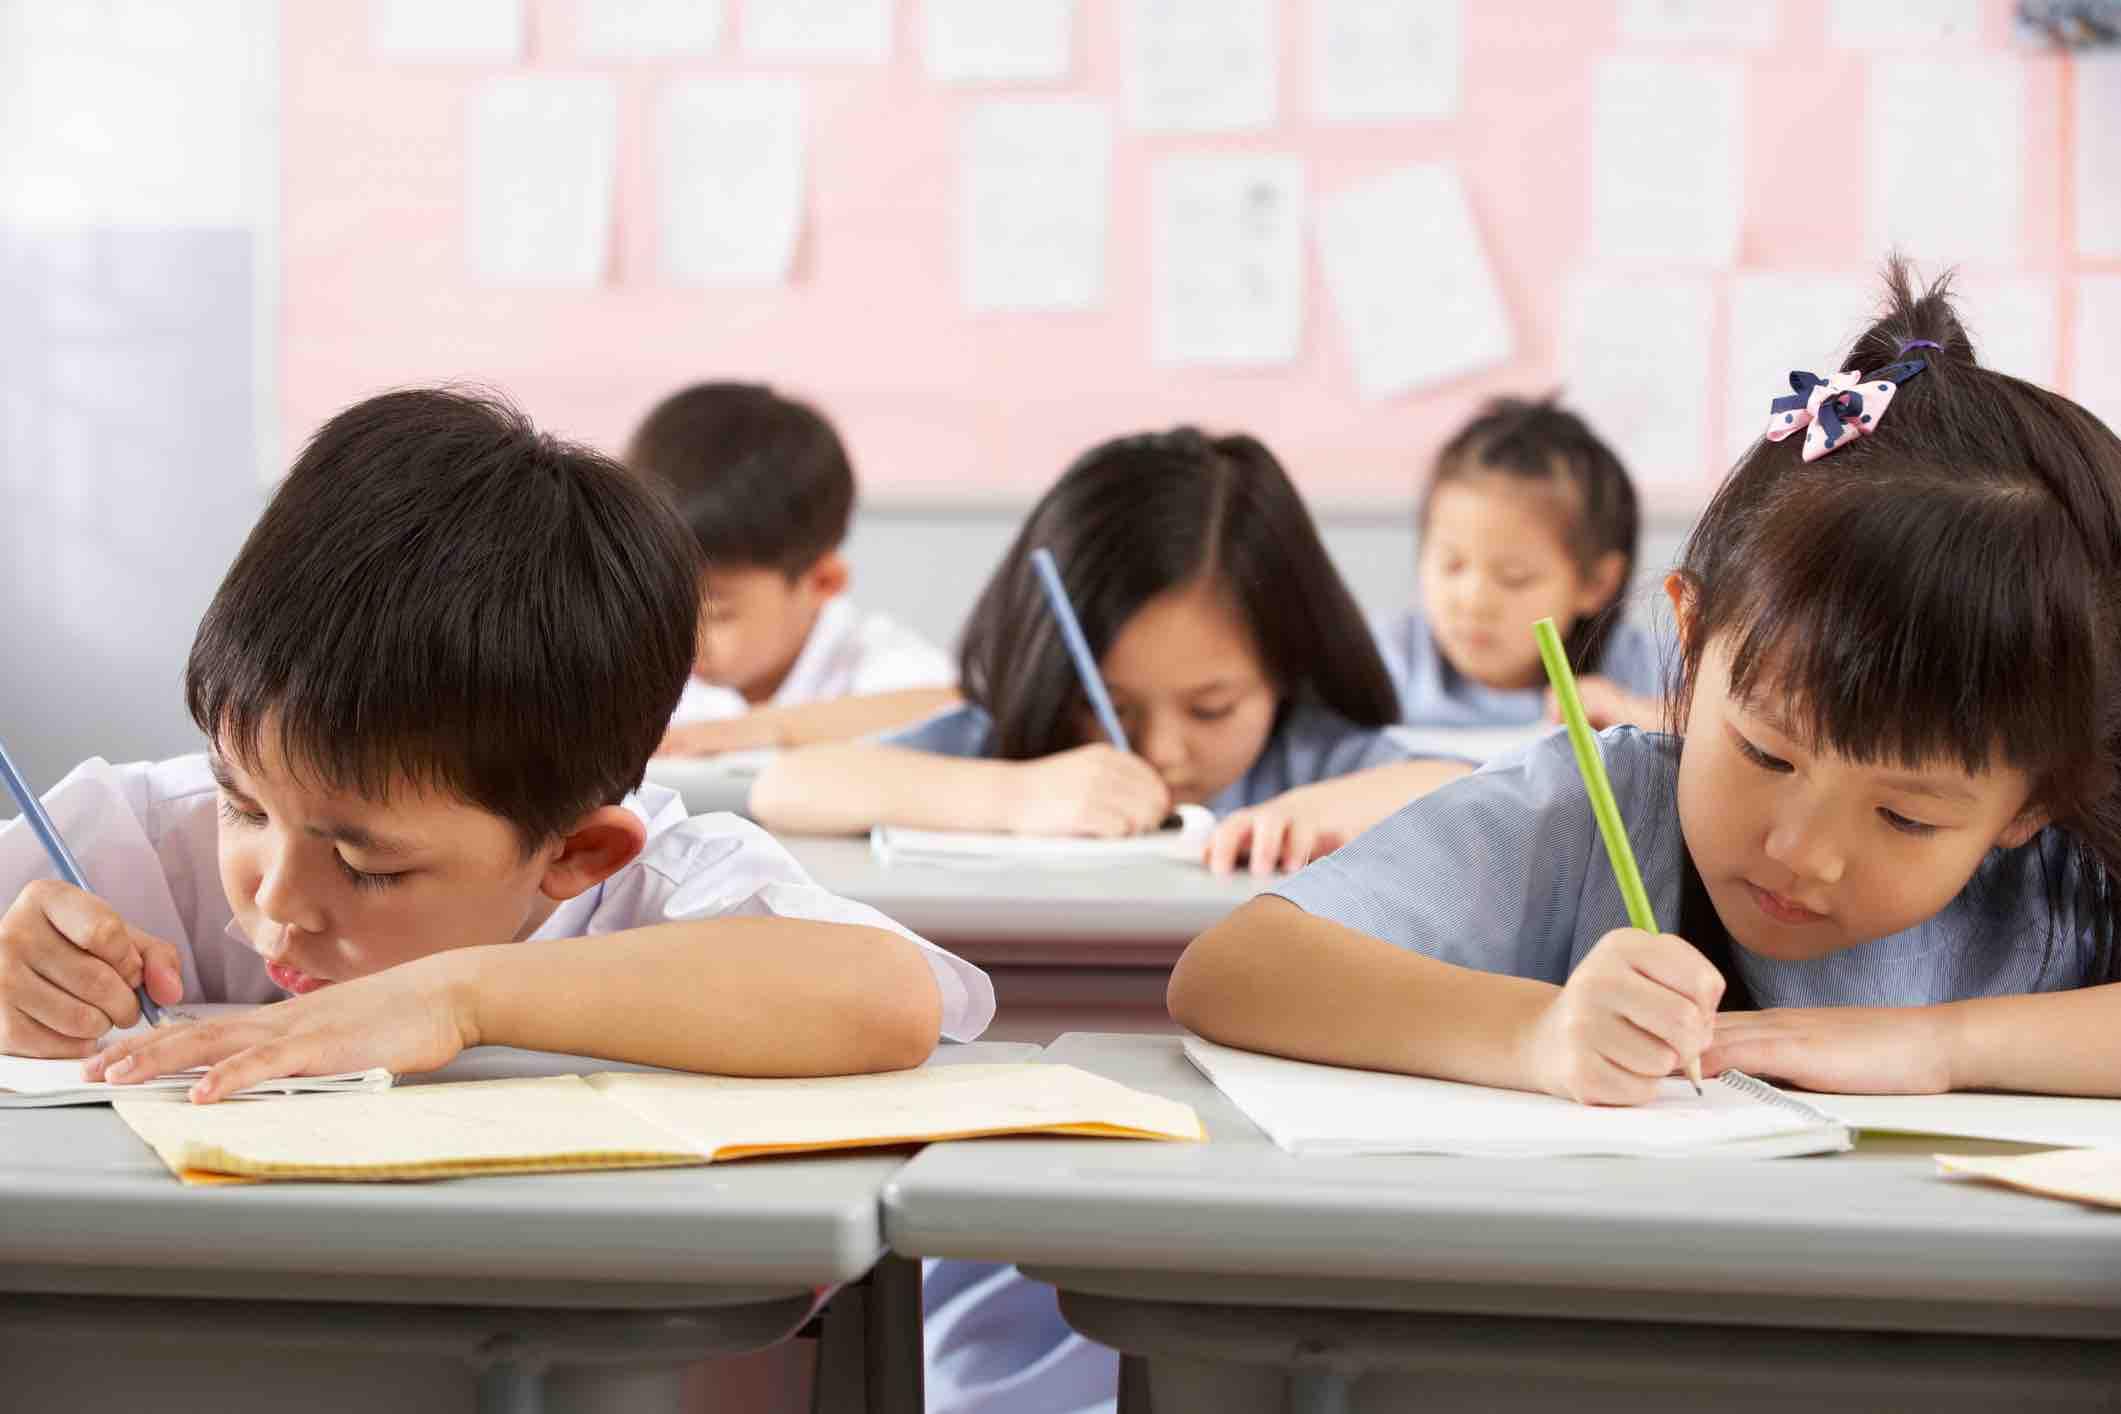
x=62 y=858
x=1071 y=630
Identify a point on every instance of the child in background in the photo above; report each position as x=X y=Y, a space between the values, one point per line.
x=1527 y=514
x=429 y=684
x=1889 y=837
x=1240 y=667
x=785 y=657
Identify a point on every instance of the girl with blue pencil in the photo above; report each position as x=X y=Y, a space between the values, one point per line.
x=1887 y=821
x=1240 y=676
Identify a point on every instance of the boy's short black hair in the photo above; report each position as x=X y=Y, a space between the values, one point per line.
x=439 y=594
x=762 y=480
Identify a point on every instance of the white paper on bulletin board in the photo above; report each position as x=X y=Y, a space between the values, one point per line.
x=2098 y=384
x=1700 y=24
x=2096 y=90
x=731 y=180
x=818 y=31
x=1944 y=143
x=1782 y=322
x=1410 y=281
x=1384 y=60
x=1032 y=222
x=1200 y=65
x=1666 y=162
x=1635 y=364
x=649 y=29
x=539 y=172
x=983 y=41
x=1903 y=24
x=447 y=31
x=1226 y=260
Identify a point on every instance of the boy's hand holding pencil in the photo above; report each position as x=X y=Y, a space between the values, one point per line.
x=69 y=967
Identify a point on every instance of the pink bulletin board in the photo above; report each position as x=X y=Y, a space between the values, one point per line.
x=940 y=405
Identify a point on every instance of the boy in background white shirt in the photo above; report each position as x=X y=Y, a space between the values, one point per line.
x=785 y=658
x=428 y=686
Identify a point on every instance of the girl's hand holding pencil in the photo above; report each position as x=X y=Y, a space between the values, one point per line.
x=1095 y=790
x=1639 y=1007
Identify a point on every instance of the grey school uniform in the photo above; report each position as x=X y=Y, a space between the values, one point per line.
x=1309 y=744
x=1432 y=693
x=995 y=1342
x=1503 y=871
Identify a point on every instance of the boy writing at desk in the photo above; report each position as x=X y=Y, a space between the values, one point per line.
x=429 y=685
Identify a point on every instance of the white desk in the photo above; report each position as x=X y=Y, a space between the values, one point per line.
x=1243 y=1279
x=1068 y=948
x=115 y=1280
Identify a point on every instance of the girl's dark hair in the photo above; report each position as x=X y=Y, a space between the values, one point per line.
x=1542 y=442
x=1139 y=516
x=1945 y=589
x=443 y=596
x=762 y=479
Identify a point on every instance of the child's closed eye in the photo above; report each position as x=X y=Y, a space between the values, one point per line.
x=1760 y=758
x=1903 y=824
x=235 y=814
x=362 y=878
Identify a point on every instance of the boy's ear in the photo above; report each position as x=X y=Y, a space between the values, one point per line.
x=828 y=576
x=602 y=843
x=1603 y=584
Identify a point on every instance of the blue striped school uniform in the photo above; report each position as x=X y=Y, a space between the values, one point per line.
x=1432 y=693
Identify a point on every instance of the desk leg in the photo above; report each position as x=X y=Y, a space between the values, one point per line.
x=1320 y=1392
x=512 y=1385
x=1134 y=1384
x=869 y=1354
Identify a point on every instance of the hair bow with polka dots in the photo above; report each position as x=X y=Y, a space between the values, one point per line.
x=1836 y=409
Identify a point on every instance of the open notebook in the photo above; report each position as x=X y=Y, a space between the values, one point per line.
x=2022 y=1119
x=1184 y=840
x=31 y=1084
x=1323 y=1109
x=632 y=1120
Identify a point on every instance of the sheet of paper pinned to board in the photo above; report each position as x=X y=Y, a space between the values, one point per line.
x=818 y=31
x=1667 y=155
x=731 y=180
x=2096 y=91
x=1411 y=285
x=540 y=168
x=1903 y=24
x=1032 y=218
x=460 y=31
x=2014 y=321
x=1782 y=322
x=1200 y=65
x=1226 y=260
x=1635 y=362
x=980 y=41
x=648 y=29
x=1382 y=60
x=1700 y=24
x=1944 y=139
x=2098 y=381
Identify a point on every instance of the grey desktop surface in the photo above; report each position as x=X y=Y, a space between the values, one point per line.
x=85 y=1207
x=1873 y=1238
x=1098 y=912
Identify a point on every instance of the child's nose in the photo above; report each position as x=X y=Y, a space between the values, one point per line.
x=282 y=899
x=1163 y=741
x=1799 y=843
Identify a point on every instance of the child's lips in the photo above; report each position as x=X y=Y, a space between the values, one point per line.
x=1781 y=909
x=289 y=979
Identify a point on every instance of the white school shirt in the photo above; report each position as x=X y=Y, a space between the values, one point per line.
x=848 y=654
x=145 y=837
x=1503 y=871
x=1432 y=693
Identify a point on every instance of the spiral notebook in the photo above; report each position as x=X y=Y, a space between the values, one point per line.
x=1328 y=1110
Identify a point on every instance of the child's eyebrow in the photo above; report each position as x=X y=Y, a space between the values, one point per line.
x=365 y=840
x=1935 y=789
x=223 y=777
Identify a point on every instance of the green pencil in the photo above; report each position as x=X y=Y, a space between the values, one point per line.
x=1603 y=806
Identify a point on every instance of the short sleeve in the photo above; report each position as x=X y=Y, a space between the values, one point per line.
x=896 y=659
x=718 y=866
x=1502 y=870
x=964 y=730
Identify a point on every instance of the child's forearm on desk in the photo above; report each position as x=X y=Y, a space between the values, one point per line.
x=845 y=788
x=2060 y=1043
x=729 y=996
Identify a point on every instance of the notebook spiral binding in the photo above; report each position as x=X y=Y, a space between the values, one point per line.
x=1754 y=1088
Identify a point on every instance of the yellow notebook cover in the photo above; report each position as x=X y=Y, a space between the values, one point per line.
x=632 y=1120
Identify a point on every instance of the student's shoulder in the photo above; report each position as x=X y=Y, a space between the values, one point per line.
x=963 y=730
x=1311 y=732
